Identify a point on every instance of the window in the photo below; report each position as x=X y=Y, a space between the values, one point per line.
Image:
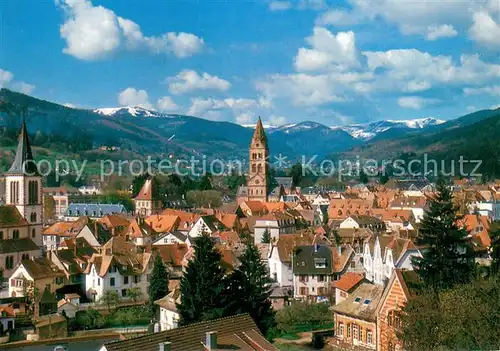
x=112 y=269
x=137 y=279
x=321 y=278
x=33 y=233
x=368 y=337
x=355 y=332
x=349 y=330
x=125 y=280
x=341 y=329
x=360 y=334
x=111 y=281
x=1 y=235
x=9 y=262
x=320 y=262
x=357 y=299
x=353 y=264
x=98 y=281
x=15 y=234
x=124 y=292
x=33 y=217
x=25 y=257
x=367 y=302
x=59 y=280
x=14 y=192
x=32 y=192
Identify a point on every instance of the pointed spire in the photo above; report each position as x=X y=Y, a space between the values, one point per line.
x=259 y=135
x=23 y=162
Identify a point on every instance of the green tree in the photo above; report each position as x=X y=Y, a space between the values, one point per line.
x=266 y=236
x=134 y=293
x=119 y=197
x=49 y=207
x=383 y=178
x=158 y=282
x=495 y=250
x=205 y=183
x=296 y=174
x=110 y=298
x=205 y=198
x=271 y=179
x=363 y=178
x=448 y=258
x=138 y=182
x=203 y=286
x=251 y=289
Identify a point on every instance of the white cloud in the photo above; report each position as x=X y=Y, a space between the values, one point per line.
x=189 y=80
x=70 y=105
x=485 y=30
x=280 y=5
x=276 y=120
x=339 y=17
x=491 y=90
x=421 y=69
x=415 y=102
x=328 y=51
x=7 y=81
x=134 y=97
x=245 y=118
x=471 y=108
x=443 y=31
x=5 y=77
x=199 y=105
x=166 y=104
x=95 y=32
x=311 y=90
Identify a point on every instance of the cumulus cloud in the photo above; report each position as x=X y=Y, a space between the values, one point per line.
x=415 y=102
x=189 y=80
x=134 y=97
x=280 y=5
x=485 y=30
x=166 y=104
x=245 y=118
x=95 y=32
x=243 y=110
x=443 y=31
x=328 y=51
x=276 y=120
x=7 y=81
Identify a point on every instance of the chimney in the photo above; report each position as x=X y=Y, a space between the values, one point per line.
x=165 y=346
x=211 y=343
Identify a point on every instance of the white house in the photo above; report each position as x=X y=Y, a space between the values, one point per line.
x=362 y=221
x=275 y=223
x=118 y=267
x=170 y=238
x=381 y=254
x=208 y=224
x=169 y=316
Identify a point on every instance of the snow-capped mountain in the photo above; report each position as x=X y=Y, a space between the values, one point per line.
x=370 y=130
x=136 y=111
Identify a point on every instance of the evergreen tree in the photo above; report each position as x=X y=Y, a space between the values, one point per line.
x=204 y=286
x=251 y=289
x=495 y=251
x=158 y=284
x=138 y=182
x=363 y=178
x=447 y=259
x=266 y=236
x=205 y=183
x=296 y=174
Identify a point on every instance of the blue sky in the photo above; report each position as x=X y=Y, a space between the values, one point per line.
x=336 y=63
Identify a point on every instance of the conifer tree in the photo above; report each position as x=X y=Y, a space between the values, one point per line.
x=204 y=286
x=251 y=289
x=266 y=236
x=158 y=284
x=447 y=258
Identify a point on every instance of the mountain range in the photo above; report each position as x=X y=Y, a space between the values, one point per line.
x=147 y=132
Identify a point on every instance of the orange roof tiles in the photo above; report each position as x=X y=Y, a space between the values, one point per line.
x=163 y=223
x=348 y=281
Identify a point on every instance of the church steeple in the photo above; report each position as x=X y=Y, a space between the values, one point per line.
x=23 y=162
x=259 y=138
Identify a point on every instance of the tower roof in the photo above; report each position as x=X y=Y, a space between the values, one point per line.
x=259 y=134
x=23 y=163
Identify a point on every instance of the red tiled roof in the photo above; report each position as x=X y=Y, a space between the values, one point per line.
x=348 y=281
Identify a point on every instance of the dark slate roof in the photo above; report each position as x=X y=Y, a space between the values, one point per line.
x=23 y=162
x=306 y=259
x=286 y=182
x=233 y=333
x=17 y=245
x=93 y=210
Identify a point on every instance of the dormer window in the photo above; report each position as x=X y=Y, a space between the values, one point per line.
x=320 y=263
x=357 y=299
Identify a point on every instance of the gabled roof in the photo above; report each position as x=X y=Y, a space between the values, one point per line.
x=172 y=254
x=354 y=305
x=287 y=243
x=10 y=217
x=23 y=162
x=40 y=268
x=163 y=223
x=313 y=260
x=146 y=192
x=348 y=281
x=17 y=245
x=233 y=333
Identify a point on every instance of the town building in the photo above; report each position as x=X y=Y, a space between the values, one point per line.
x=146 y=201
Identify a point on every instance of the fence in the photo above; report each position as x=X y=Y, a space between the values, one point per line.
x=107 y=331
x=101 y=306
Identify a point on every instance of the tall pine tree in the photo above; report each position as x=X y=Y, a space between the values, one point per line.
x=251 y=289
x=158 y=284
x=204 y=286
x=447 y=258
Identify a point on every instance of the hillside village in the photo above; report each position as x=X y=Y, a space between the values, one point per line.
x=351 y=249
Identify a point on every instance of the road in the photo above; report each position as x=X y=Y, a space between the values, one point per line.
x=92 y=345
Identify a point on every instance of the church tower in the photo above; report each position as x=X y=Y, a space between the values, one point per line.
x=24 y=187
x=257 y=171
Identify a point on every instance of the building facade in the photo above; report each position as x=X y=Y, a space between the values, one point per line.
x=257 y=172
